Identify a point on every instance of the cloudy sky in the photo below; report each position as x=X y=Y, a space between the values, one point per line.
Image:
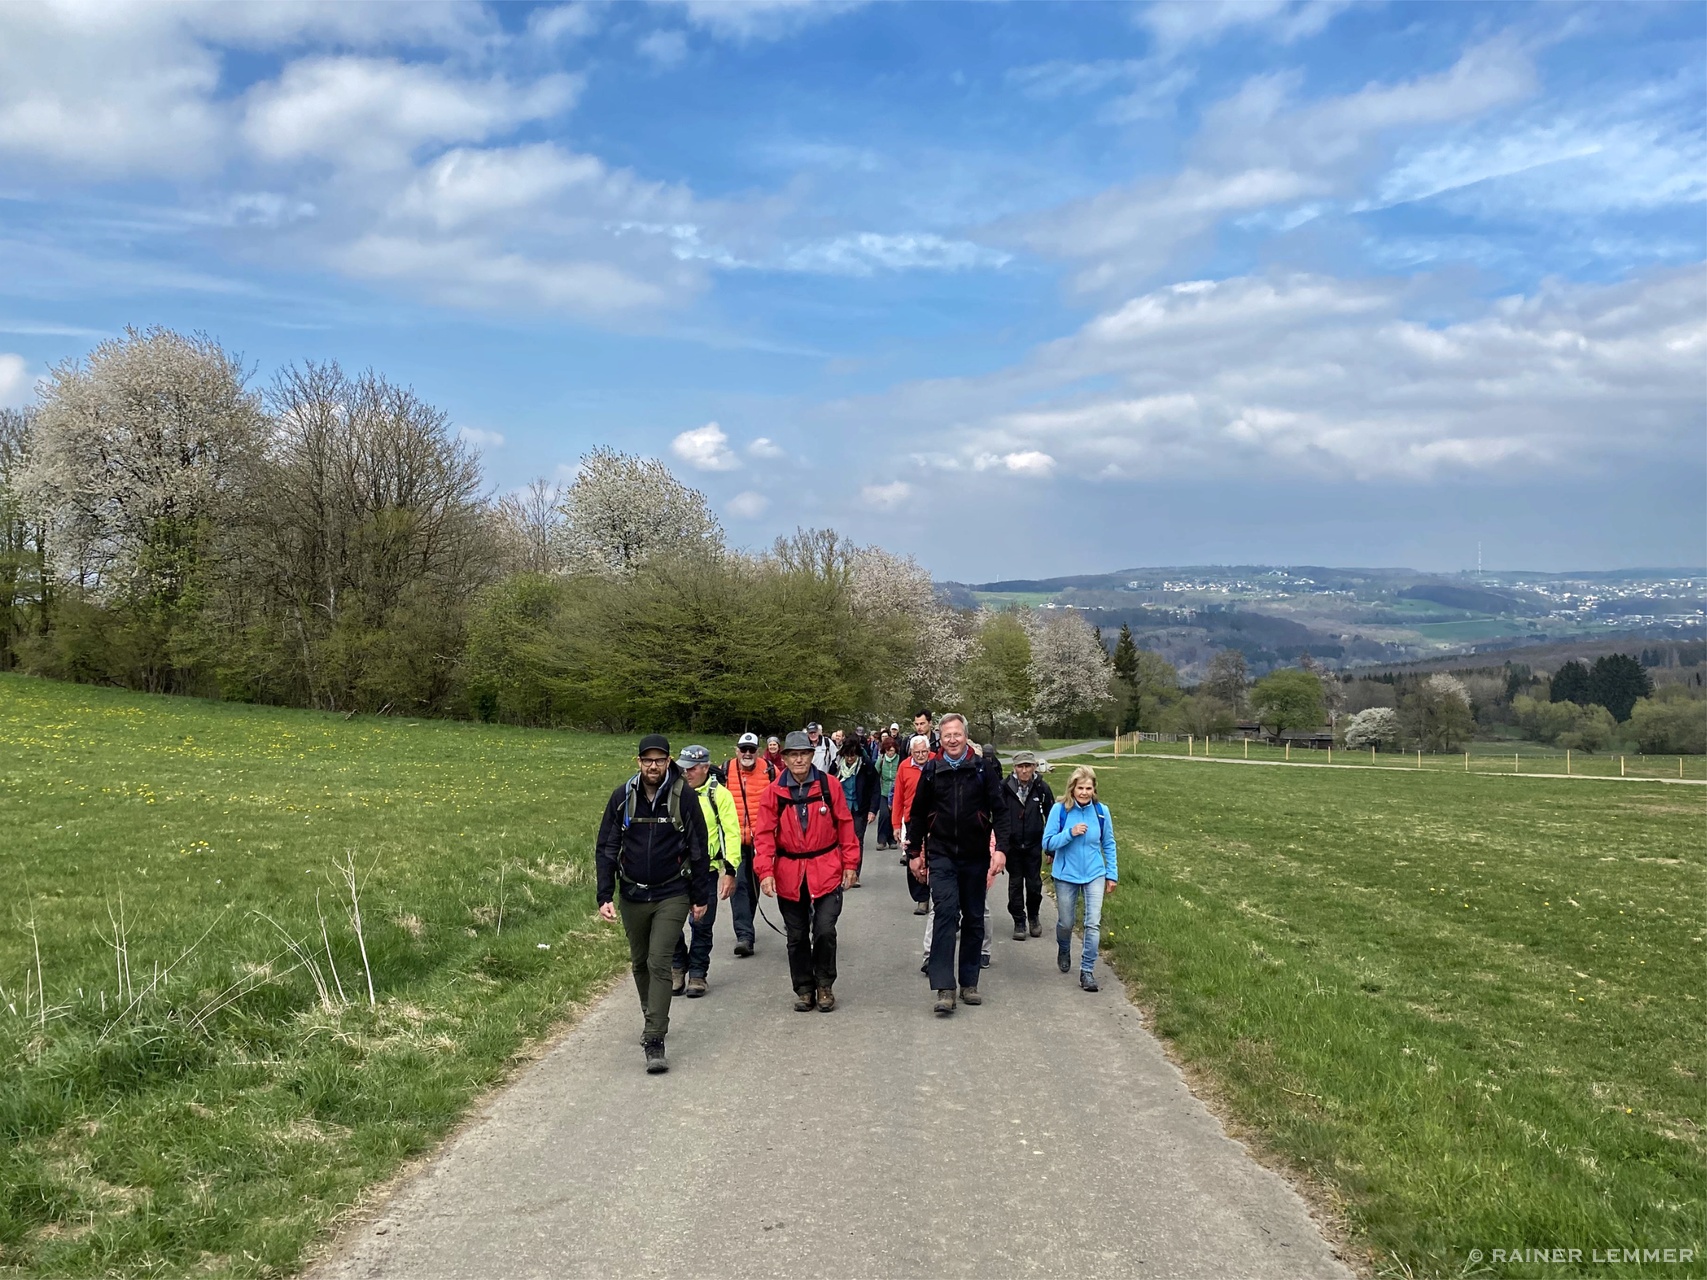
x=1022 y=289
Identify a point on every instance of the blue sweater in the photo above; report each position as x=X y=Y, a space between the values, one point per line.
x=1081 y=859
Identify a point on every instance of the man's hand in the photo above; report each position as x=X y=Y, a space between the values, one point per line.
x=607 y=912
x=872 y=816
x=726 y=886
x=699 y=913
x=916 y=865
x=848 y=877
x=998 y=864
x=1109 y=886
x=767 y=886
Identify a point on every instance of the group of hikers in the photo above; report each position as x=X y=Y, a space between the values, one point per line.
x=787 y=818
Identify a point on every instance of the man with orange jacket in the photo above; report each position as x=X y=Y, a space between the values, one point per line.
x=805 y=856
x=747 y=777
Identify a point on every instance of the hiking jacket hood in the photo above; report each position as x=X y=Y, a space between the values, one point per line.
x=958 y=808
x=1081 y=859
x=650 y=857
x=1028 y=817
x=828 y=836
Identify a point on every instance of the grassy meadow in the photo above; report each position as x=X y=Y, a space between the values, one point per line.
x=1469 y=1007
x=186 y=1099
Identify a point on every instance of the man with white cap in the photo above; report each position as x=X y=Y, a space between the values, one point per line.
x=747 y=776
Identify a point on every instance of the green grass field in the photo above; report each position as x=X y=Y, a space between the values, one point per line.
x=1470 y=1008
x=219 y=1118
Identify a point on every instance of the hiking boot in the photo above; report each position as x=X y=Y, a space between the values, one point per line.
x=1019 y=931
x=805 y=1000
x=1063 y=959
x=944 y=1002
x=925 y=965
x=655 y=1059
x=921 y=908
x=678 y=981
x=696 y=987
x=826 y=1000
x=1087 y=980
x=970 y=995
x=1036 y=929
x=743 y=948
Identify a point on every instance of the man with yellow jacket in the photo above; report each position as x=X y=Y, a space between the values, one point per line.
x=723 y=843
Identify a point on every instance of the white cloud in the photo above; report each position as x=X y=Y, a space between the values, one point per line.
x=133 y=89
x=15 y=385
x=765 y=447
x=1023 y=462
x=1309 y=375
x=748 y=505
x=562 y=22
x=705 y=449
x=481 y=438
x=760 y=19
x=863 y=254
x=666 y=48
x=1259 y=149
x=1178 y=24
x=886 y=497
x=370 y=112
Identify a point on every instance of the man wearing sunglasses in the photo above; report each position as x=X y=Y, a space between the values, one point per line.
x=747 y=777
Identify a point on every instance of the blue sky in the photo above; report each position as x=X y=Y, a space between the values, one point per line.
x=1021 y=289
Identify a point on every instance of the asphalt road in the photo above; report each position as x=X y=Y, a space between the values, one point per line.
x=1042 y=1133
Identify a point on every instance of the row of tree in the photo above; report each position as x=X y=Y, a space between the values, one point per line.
x=327 y=541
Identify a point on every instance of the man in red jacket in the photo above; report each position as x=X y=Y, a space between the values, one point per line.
x=805 y=855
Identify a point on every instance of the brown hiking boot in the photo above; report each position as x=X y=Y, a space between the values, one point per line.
x=826 y=1000
x=696 y=988
x=805 y=1000
x=970 y=995
x=678 y=981
x=944 y=1002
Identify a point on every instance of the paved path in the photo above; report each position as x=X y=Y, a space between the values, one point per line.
x=1043 y=1133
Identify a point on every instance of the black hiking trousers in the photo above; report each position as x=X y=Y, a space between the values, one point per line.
x=1025 y=886
x=811 y=926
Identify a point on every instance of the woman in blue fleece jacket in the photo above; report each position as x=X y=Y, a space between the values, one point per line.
x=1079 y=838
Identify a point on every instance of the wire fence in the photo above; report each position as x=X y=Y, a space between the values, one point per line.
x=1480 y=757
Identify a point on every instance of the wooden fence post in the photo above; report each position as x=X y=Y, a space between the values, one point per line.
x=1248 y=756
x=1567 y=762
x=1620 y=766
x=1289 y=751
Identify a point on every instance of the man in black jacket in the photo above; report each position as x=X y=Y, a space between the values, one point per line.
x=956 y=808
x=652 y=843
x=1029 y=800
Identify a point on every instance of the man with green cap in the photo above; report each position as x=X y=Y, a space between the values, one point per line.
x=652 y=846
x=691 y=964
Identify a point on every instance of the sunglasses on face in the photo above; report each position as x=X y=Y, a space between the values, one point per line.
x=746 y=750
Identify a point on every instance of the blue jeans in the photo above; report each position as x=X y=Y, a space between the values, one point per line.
x=1067 y=898
x=696 y=959
x=745 y=897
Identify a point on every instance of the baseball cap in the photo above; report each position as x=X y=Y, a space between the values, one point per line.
x=693 y=755
x=653 y=742
x=814 y=727
x=797 y=741
x=748 y=740
x=1025 y=757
